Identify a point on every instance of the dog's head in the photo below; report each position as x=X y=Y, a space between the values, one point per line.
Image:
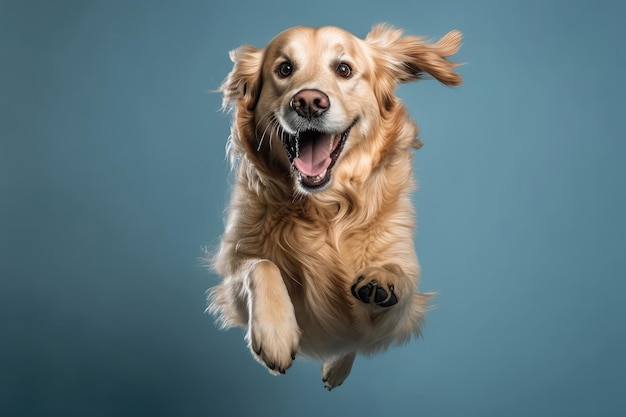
x=318 y=100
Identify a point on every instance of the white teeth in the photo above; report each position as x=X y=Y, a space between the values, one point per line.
x=297 y=144
x=317 y=178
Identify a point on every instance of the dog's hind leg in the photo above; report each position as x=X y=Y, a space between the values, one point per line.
x=336 y=370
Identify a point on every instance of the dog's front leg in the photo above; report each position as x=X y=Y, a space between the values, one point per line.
x=273 y=333
x=381 y=286
x=393 y=306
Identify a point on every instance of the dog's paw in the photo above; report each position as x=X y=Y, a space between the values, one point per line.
x=375 y=285
x=274 y=343
x=334 y=372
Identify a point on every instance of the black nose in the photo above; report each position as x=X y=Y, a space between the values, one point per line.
x=310 y=103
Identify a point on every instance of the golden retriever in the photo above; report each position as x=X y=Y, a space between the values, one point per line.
x=317 y=257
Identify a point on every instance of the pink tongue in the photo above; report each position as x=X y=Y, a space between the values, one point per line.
x=314 y=156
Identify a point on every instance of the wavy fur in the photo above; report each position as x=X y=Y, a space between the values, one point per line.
x=290 y=258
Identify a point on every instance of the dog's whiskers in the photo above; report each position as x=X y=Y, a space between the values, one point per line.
x=298 y=196
x=270 y=122
x=258 y=149
x=259 y=123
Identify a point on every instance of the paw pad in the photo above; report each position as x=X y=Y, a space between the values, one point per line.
x=373 y=292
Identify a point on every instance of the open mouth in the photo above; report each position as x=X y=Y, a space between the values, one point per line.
x=313 y=154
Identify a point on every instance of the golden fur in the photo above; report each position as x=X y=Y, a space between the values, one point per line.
x=293 y=256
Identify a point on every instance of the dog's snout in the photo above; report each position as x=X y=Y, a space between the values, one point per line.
x=310 y=103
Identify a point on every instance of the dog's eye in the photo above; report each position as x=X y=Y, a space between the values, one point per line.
x=344 y=70
x=285 y=69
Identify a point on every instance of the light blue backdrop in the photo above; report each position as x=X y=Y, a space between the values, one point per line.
x=113 y=178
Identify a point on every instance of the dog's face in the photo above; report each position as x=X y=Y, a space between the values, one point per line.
x=312 y=97
x=316 y=89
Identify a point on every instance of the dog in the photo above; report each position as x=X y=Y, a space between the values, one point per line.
x=317 y=256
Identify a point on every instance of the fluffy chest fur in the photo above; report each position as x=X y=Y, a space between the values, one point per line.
x=320 y=242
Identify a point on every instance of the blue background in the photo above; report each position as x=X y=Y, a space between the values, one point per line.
x=113 y=179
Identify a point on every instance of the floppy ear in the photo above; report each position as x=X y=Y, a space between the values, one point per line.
x=243 y=83
x=407 y=58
